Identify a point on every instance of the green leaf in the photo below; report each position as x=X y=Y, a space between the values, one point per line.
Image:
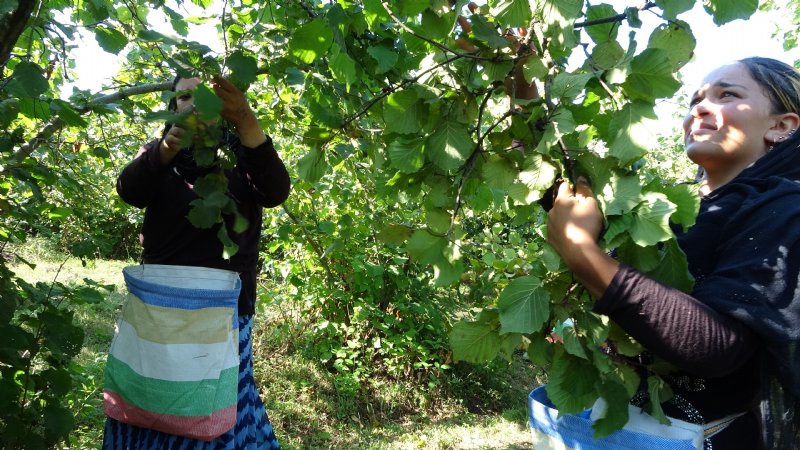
x=311 y=41
x=436 y=26
x=686 y=198
x=9 y=110
x=616 y=414
x=313 y=165
x=623 y=343
x=58 y=422
x=659 y=392
x=402 y=112
x=414 y=7
x=540 y=351
x=176 y=20
x=512 y=13
x=445 y=272
x=672 y=8
x=425 y=248
x=496 y=71
x=244 y=69
x=203 y=3
x=324 y=110
x=563 y=122
x=524 y=306
x=498 y=172
x=59 y=213
x=375 y=14
x=438 y=220
x=534 y=69
x=641 y=258
x=240 y=223
x=207 y=103
x=571 y=383
x=208 y=184
x=385 y=56
x=203 y=215
x=651 y=76
x=68 y=114
x=673 y=269
x=395 y=234
x=631 y=131
x=486 y=32
x=58 y=381
x=474 y=342
x=651 y=220
x=110 y=40
x=724 y=11
x=572 y=343
x=62 y=336
x=607 y=54
x=155 y=36
x=229 y=248
x=536 y=177
x=407 y=154
x=562 y=12
x=342 y=66
x=676 y=40
x=27 y=80
x=567 y=85
x=624 y=194
x=617 y=230
x=604 y=32
x=101 y=152
x=450 y=145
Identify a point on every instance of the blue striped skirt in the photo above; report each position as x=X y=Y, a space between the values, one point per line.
x=253 y=430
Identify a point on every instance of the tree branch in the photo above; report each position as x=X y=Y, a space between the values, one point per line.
x=617 y=18
x=56 y=123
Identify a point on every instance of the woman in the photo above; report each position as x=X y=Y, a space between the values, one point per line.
x=734 y=339
x=160 y=180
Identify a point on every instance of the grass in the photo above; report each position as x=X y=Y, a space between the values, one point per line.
x=472 y=408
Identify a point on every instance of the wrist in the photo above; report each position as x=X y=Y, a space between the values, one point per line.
x=592 y=266
x=166 y=153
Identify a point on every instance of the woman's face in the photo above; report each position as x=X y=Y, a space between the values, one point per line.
x=730 y=122
x=185 y=100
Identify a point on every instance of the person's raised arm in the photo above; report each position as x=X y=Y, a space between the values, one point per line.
x=237 y=111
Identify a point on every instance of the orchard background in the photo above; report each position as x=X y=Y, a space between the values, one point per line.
x=407 y=279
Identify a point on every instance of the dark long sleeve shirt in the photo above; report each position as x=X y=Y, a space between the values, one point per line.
x=258 y=180
x=744 y=252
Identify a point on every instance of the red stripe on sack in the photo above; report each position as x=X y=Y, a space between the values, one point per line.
x=204 y=428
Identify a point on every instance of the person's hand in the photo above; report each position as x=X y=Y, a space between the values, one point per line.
x=237 y=111
x=172 y=142
x=575 y=221
x=235 y=108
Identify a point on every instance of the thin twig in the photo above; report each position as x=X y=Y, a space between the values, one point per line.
x=469 y=165
x=617 y=18
x=444 y=48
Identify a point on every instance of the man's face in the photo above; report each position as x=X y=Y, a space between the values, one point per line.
x=185 y=100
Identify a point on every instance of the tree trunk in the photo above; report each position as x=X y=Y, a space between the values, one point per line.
x=11 y=27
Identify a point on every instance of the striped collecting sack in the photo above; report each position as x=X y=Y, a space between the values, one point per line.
x=173 y=365
x=574 y=431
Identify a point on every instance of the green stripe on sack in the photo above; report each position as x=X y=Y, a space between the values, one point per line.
x=177 y=326
x=179 y=398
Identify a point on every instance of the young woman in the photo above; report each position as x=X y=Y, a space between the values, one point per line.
x=160 y=180
x=735 y=338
